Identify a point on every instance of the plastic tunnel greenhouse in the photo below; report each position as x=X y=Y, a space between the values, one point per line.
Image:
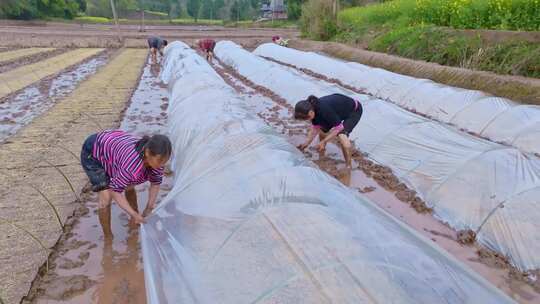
x=250 y=220
x=496 y=118
x=471 y=183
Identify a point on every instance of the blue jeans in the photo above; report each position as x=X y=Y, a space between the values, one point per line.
x=93 y=168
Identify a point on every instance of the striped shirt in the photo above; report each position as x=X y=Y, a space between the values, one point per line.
x=115 y=150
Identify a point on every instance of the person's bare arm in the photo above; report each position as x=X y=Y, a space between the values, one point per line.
x=333 y=133
x=313 y=132
x=124 y=204
x=152 y=196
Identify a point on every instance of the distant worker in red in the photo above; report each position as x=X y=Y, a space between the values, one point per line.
x=207 y=46
x=280 y=41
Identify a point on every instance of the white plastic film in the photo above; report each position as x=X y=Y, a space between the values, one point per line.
x=250 y=220
x=470 y=110
x=465 y=178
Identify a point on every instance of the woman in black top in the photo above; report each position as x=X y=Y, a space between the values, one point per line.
x=331 y=116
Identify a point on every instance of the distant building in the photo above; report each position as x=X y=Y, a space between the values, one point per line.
x=275 y=9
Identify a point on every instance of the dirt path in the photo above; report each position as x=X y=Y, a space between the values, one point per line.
x=86 y=269
x=73 y=35
x=374 y=182
x=40 y=166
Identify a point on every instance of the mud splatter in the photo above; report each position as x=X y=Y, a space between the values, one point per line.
x=367 y=189
x=466 y=236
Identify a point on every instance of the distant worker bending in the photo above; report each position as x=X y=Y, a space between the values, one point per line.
x=207 y=46
x=156 y=44
x=330 y=116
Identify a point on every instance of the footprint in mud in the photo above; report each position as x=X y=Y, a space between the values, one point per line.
x=65 y=263
x=367 y=189
x=18 y=114
x=7 y=121
x=65 y=288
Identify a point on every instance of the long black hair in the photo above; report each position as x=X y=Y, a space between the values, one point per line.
x=157 y=144
x=303 y=107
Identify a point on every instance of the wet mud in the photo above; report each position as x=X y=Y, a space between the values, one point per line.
x=380 y=185
x=466 y=236
x=13 y=64
x=20 y=108
x=87 y=267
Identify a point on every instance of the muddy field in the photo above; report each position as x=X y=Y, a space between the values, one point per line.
x=73 y=35
x=84 y=267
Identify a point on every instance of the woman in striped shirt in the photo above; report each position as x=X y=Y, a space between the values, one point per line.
x=115 y=161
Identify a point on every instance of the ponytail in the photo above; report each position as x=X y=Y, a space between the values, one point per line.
x=157 y=145
x=141 y=144
x=314 y=101
x=302 y=108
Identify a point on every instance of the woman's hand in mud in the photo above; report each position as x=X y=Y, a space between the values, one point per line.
x=138 y=219
x=302 y=147
x=321 y=147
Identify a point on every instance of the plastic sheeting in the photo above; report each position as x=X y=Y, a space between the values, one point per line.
x=496 y=118
x=471 y=183
x=250 y=220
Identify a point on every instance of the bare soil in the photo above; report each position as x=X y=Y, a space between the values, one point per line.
x=22 y=34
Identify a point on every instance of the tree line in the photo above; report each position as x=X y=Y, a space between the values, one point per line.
x=69 y=9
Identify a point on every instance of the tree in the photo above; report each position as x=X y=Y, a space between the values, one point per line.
x=294 y=9
x=28 y=9
x=82 y=5
x=207 y=9
x=194 y=8
x=241 y=10
x=18 y=9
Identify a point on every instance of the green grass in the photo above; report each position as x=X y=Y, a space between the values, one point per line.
x=262 y=24
x=92 y=19
x=192 y=21
x=162 y=14
x=461 y=14
x=448 y=47
x=426 y=30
